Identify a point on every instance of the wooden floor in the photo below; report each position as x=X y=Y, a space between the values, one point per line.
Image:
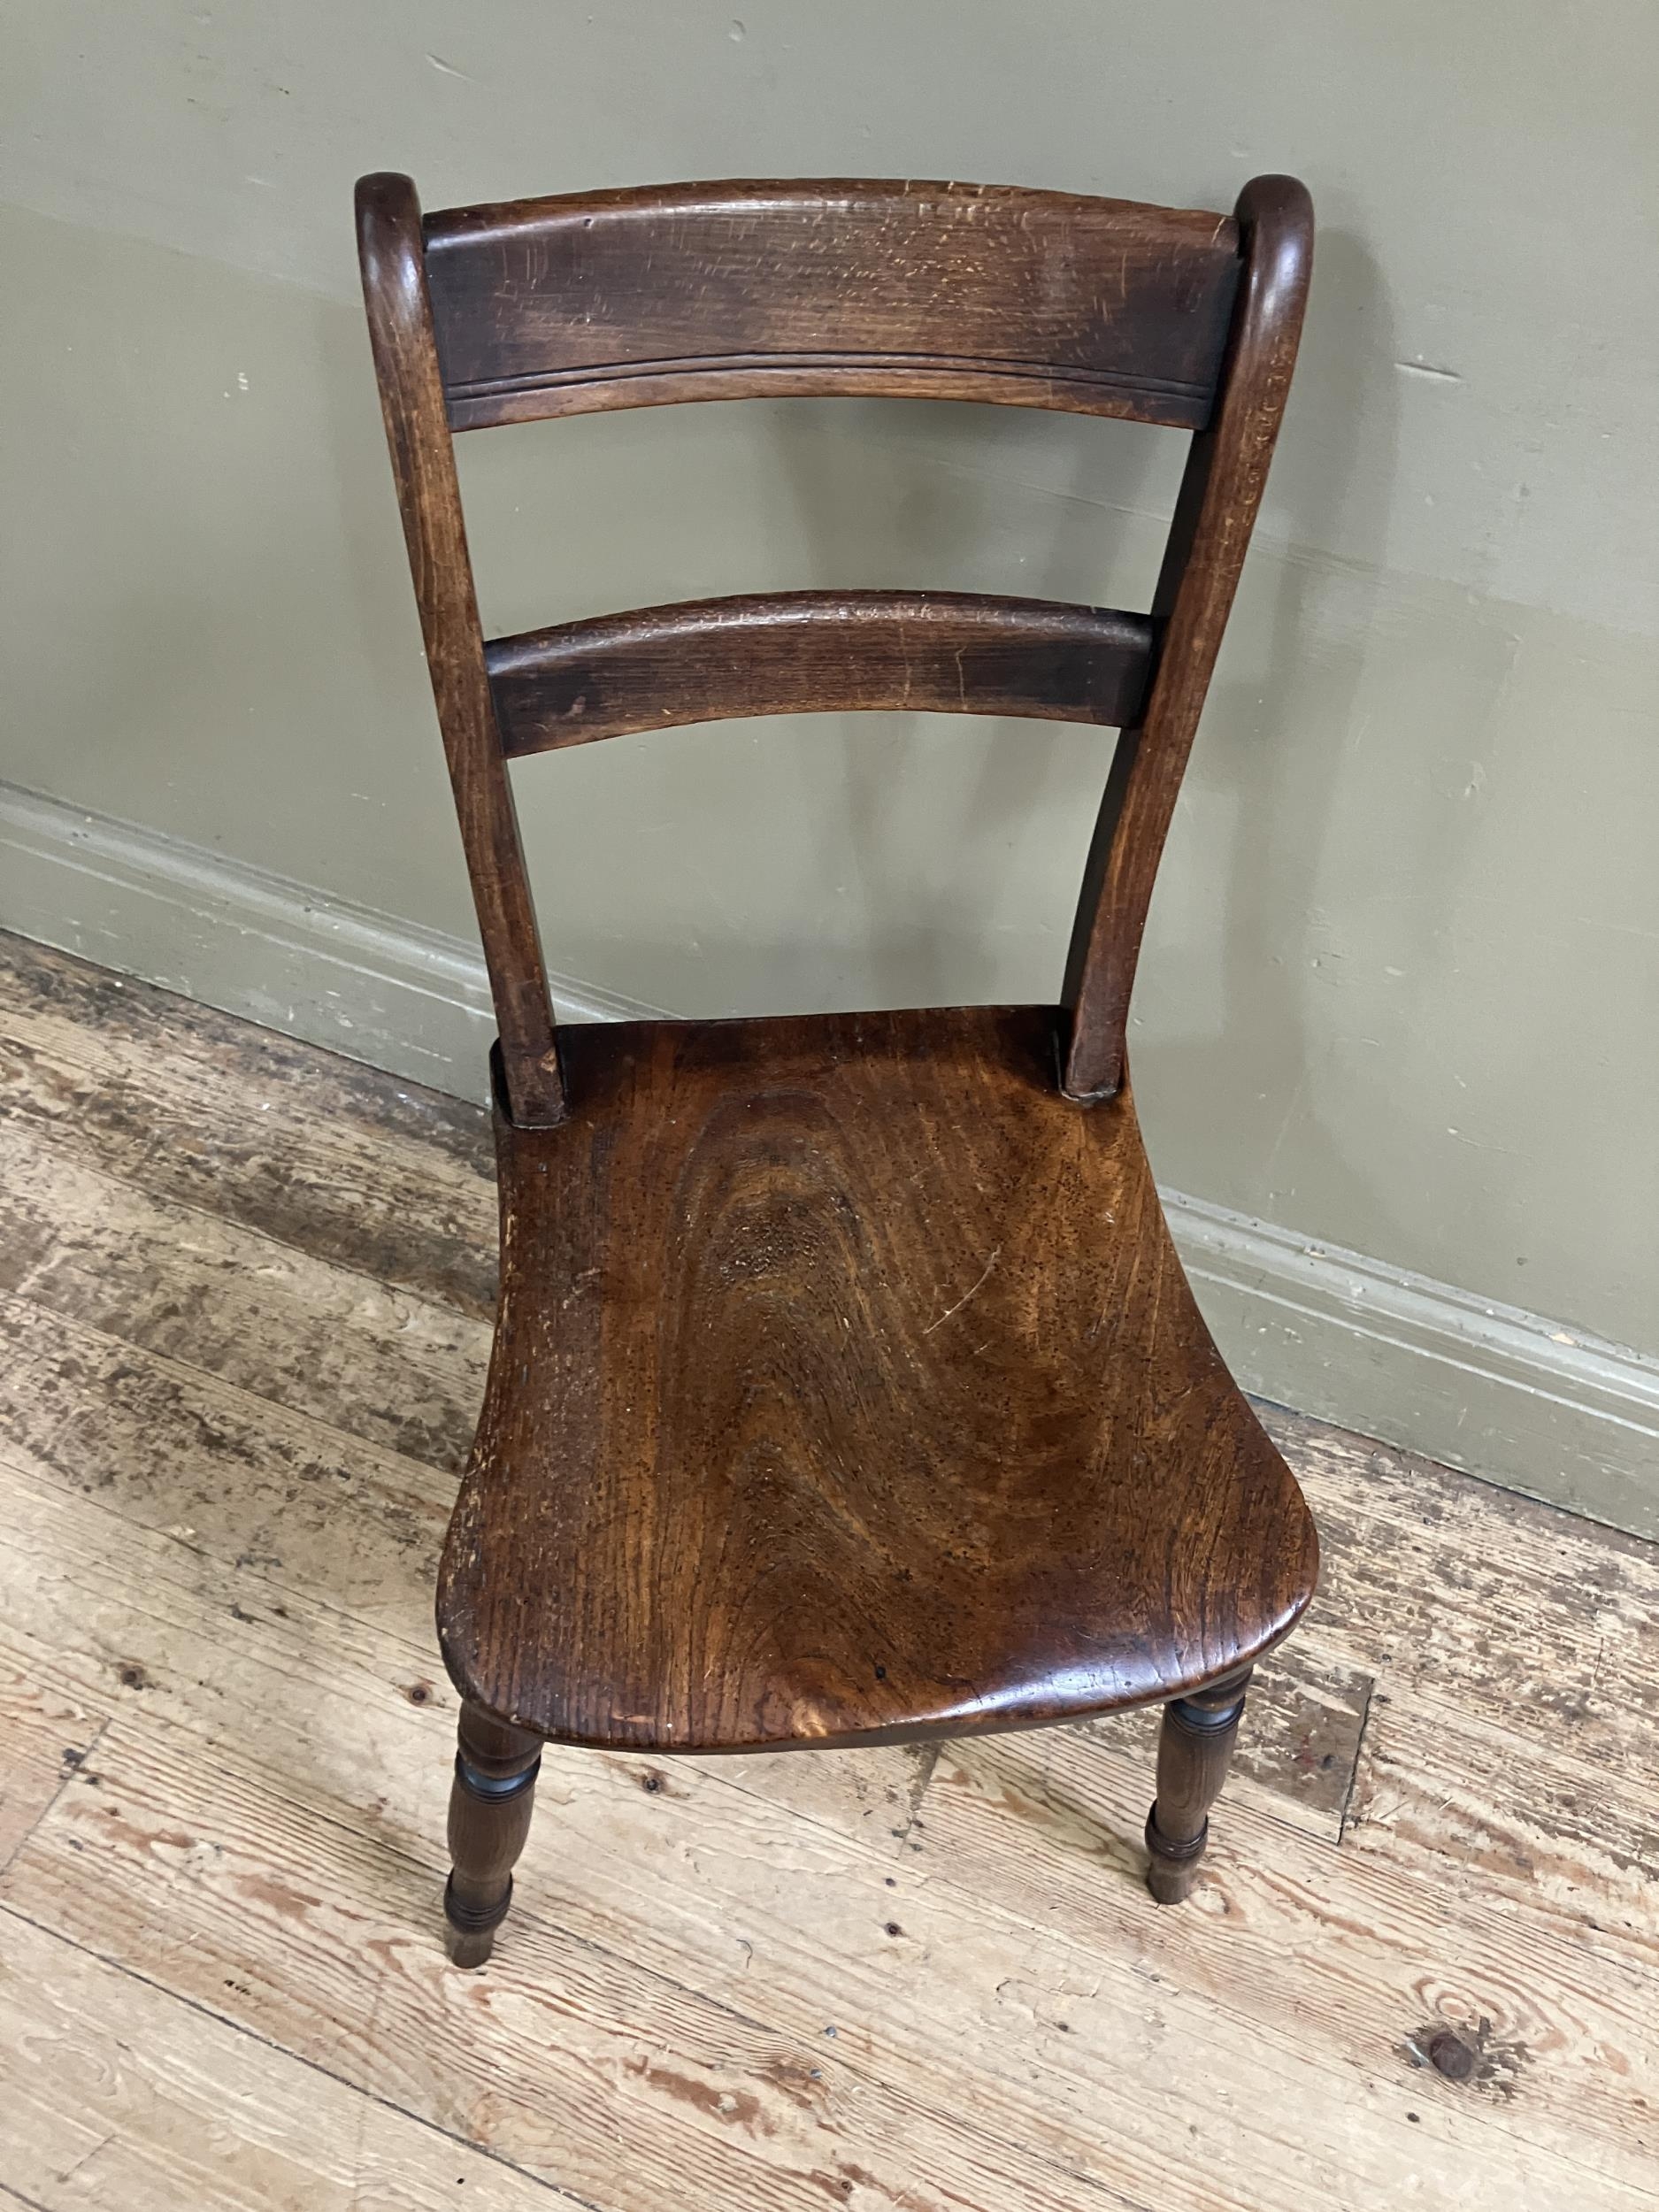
x=245 y=1297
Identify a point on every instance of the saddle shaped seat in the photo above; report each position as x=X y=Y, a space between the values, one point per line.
x=847 y=1388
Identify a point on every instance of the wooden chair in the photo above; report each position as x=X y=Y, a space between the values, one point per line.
x=846 y=1386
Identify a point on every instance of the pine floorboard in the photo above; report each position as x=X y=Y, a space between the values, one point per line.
x=244 y=1291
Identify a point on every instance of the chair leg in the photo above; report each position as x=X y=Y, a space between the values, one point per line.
x=1195 y=1747
x=490 y=1805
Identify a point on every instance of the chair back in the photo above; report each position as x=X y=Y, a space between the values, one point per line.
x=486 y=315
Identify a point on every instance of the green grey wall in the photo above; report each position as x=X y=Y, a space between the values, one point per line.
x=1400 y=995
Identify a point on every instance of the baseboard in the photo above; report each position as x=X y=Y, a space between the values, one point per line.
x=1524 y=1401
x=368 y=985
x=1417 y=1363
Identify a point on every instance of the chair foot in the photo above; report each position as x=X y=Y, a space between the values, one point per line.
x=1195 y=1748
x=1172 y=1869
x=490 y=1806
x=468 y=1939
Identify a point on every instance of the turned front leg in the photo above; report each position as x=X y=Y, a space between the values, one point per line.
x=489 y=1817
x=1195 y=1747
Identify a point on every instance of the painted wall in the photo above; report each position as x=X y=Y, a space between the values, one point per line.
x=1400 y=986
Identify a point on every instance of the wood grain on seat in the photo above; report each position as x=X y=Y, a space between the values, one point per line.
x=847 y=1388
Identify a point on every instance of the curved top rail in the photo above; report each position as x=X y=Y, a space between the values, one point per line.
x=715 y=291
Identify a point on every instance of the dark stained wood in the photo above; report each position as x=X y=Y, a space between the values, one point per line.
x=743 y=290
x=555 y=306
x=1195 y=1751
x=423 y=462
x=846 y=1389
x=1215 y=514
x=490 y=1805
x=845 y=1386
x=816 y=652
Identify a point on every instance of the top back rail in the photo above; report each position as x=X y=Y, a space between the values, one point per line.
x=538 y=307
x=725 y=291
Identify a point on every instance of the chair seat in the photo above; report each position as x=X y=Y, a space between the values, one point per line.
x=846 y=1388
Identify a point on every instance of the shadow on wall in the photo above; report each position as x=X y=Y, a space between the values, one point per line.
x=819 y=861
x=1282 y=796
x=1342 y=1004
x=938 y=859
x=945 y=516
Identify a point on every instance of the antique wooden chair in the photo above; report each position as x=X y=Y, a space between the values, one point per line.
x=846 y=1386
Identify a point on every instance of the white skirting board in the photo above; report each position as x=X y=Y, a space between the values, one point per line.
x=1524 y=1401
x=380 y=989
